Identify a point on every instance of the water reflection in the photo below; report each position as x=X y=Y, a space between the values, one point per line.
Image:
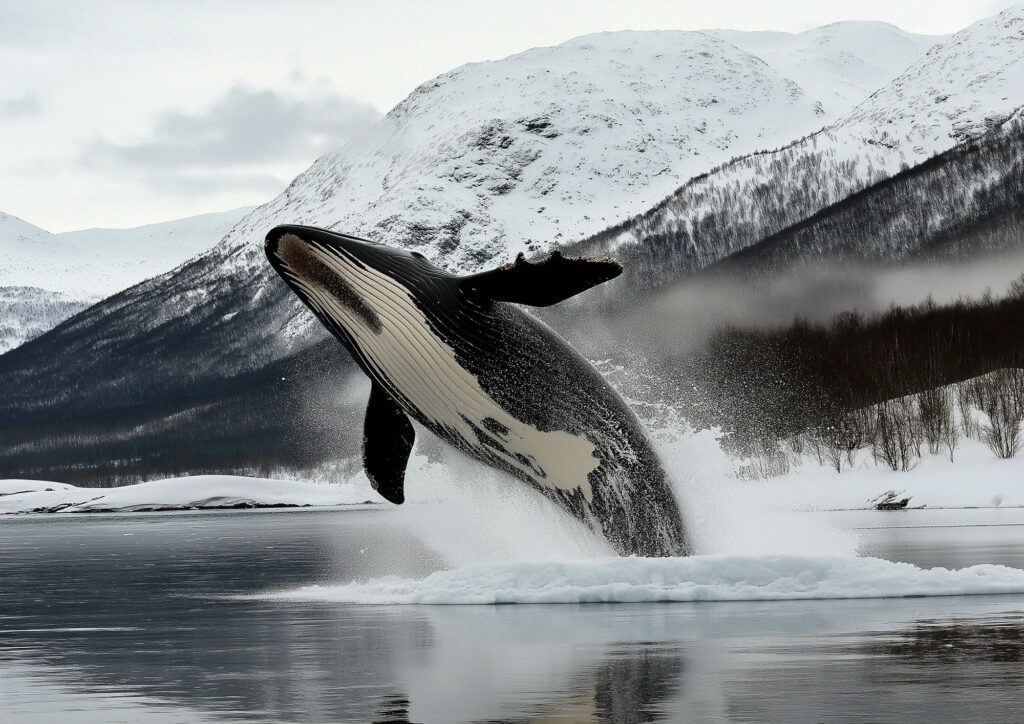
x=999 y=640
x=128 y=619
x=542 y=662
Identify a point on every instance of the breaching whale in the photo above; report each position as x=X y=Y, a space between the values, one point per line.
x=457 y=355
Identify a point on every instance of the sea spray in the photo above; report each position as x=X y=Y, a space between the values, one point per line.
x=470 y=514
x=722 y=516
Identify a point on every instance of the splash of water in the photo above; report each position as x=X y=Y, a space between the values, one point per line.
x=504 y=543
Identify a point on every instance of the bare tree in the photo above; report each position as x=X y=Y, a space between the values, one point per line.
x=898 y=440
x=766 y=459
x=935 y=415
x=965 y=406
x=1004 y=405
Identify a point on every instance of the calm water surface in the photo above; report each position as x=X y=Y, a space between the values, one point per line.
x=123 y=618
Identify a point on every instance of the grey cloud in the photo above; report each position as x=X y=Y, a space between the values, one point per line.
x=245 y=129
x=26 y=105
x=27 y=24
x=196 y=184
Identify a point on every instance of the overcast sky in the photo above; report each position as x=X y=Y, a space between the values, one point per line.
x=125 y=113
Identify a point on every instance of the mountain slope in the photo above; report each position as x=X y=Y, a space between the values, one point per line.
x=981 y=187
x=551 y=145
x=863 y=56
x=965 y=84
x=27 y=312
x=94 y=263
x=46 y=278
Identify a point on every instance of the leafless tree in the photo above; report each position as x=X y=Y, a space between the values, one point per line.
x=1004 y=405
x=935 y=415
x=898 y=439
x=965 y=406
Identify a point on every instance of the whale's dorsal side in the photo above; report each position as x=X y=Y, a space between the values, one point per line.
x=540 y=283
x=388 y=436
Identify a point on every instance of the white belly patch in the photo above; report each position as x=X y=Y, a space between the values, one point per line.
x=425 y=371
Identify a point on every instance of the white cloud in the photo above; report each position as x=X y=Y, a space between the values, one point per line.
x=227 y=144
x=25 y=105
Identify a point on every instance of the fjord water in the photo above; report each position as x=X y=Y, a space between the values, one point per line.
x=151 y=617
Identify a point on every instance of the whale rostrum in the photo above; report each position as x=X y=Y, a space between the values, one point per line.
x=457 y=355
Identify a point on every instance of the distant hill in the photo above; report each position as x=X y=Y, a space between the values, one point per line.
x=95 y=263
x=46 y=278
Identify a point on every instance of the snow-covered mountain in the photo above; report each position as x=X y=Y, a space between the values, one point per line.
x=541 y=148
x=95 y=263
x=553 y=144
x=520 y=154
x=965 y=84
x=46 y=278
x=962 y=87
x=840 y=63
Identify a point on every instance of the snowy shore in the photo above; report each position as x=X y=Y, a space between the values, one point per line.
x=189 y=493
x=977 y=479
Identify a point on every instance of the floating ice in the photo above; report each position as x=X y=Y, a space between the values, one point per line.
x=698 y=578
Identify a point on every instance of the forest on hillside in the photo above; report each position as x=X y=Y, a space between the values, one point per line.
x=864 y=380
x=807 y=202
x=966 y=201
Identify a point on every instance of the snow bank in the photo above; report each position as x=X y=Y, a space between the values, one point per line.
x=203 y=491
x=977 y=479
x=15 y=486
x=699 y=578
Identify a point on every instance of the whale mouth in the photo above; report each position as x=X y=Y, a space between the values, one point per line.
x=308 y=266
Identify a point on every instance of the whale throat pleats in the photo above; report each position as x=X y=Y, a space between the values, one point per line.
x=418 y=370
x=310 y=268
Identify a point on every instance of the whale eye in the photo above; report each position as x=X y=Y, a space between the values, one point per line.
x=417 y=255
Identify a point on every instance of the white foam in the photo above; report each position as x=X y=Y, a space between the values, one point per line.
x=698 y=578
x=471 y=514
x=728 y=516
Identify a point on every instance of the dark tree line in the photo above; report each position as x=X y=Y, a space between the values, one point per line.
x=765 y=385
x=290 y=414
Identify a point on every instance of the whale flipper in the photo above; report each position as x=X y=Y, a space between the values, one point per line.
x=541 y=283
x=387 y=441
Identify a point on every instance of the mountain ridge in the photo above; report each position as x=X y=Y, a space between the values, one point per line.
x=738 y=203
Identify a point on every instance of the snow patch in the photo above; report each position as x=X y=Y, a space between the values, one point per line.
x=92 y=263
x=203 y=491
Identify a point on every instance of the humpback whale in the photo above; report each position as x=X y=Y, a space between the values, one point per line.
x=457 y=355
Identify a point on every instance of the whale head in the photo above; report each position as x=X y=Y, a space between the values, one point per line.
x=342 y=278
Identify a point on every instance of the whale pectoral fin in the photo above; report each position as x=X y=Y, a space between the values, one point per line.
x=541 y=283
x=387 y=441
